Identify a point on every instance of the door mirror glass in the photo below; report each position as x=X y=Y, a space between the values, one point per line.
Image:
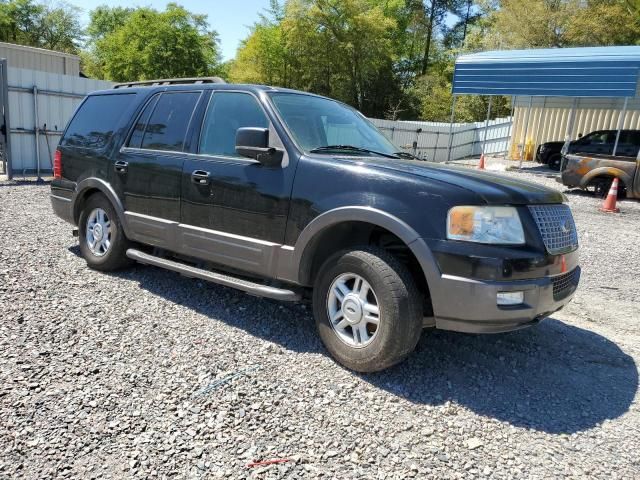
x=253 y=142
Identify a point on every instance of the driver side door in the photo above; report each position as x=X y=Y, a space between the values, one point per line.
x=234 y=209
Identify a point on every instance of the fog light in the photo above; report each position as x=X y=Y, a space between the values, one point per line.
x=510 y=298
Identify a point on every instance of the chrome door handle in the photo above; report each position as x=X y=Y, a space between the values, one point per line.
x=121 y=166
x=200 y=177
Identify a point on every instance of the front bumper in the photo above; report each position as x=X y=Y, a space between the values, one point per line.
x=472 y=306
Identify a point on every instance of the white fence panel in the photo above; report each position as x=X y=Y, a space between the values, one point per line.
x=56 y=99
x=430 y=140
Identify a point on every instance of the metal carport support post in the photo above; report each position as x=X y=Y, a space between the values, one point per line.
x=453 y=112
x=623 y=114
x=567 y=135
x=486 y=125
x=526 y=130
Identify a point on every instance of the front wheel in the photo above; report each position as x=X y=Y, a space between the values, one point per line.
x=102 y=240
x=367 y=308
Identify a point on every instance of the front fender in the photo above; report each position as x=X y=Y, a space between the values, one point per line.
x=303 y=251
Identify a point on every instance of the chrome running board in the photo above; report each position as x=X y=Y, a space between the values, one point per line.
x=214 y=277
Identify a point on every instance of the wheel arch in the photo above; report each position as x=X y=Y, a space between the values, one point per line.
x=88 y=187
x=310 y=240
x=610 y=172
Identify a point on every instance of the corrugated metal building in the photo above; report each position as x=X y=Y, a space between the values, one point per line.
x=557 y=93
x=20 y=56
x=39 y=91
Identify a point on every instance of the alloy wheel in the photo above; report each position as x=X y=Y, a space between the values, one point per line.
x=353 y=309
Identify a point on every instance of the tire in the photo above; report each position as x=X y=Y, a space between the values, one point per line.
x=104 y=255
x=555 y=161
x=367 y=346
x=601 y=186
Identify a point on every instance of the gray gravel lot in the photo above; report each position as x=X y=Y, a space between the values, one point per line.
x=132 y=374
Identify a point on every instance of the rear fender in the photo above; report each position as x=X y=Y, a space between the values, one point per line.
x=88 y=185
x=606 y=172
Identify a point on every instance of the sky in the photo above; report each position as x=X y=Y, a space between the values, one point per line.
x=231 y=19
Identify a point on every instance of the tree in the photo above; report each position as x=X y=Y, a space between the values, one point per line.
x=146 y=43
x=341 y=48
x=563 y=23
x=51 y=26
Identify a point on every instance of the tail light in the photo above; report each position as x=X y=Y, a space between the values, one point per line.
x=57 y=164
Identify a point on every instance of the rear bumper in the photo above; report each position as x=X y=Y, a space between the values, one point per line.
x=62 y=207
x=471 y=304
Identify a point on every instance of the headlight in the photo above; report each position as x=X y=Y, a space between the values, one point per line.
x=499 y=225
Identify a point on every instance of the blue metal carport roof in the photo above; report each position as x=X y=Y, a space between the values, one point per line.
x=553 y=72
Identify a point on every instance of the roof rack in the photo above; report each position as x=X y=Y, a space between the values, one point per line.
x=169 y=81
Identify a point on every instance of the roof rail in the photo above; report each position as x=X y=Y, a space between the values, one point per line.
x=169 y=81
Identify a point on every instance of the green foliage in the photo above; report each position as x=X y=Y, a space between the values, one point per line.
x=388 y=58
x=51 y=26
x=146 y=43
x=563 y=23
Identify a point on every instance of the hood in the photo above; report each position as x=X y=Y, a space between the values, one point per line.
x=493 y=188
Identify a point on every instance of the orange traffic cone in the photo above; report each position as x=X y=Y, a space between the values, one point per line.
x=609 y=204
x=481 y=164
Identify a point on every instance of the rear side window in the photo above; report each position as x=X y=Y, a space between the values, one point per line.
x=96 y=121
x=169 y=121
x=138 y=131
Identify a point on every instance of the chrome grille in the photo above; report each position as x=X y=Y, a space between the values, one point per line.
x=556 y=226
x=565 y=284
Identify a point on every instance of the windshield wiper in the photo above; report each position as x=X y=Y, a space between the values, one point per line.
x=407 y=155
x=351 y=148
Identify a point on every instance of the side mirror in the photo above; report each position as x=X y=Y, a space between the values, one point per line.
x=253 y=142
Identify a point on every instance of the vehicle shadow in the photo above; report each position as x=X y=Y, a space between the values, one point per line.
x=23 y=183
x=589 y=194
x=553 y=377
x=539 y=170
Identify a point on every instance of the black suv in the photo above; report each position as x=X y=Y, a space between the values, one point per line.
x=291 y=196
x=599 y=143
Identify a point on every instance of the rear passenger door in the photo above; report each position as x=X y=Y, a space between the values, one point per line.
x=234 y=209
x=148 y=169
x=628 y=145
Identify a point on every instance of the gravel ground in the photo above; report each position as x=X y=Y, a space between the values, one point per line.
x=147 y=374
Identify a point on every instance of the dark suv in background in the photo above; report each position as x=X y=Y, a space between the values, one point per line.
x=598 y=143
x=294 y=196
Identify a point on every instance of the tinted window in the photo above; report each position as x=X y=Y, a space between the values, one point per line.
x=168 y=124
x=628 y=144
x=227 y=113
x=96 y=121
x=597 y=138
x=138 y=132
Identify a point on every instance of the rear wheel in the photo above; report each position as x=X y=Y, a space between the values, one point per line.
x=367 y=308
x=102 y=240
x=600 y=187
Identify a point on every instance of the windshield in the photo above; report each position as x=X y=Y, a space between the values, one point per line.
x=317 y=123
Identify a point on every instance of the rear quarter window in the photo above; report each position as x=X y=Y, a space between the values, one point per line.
x=96 y=121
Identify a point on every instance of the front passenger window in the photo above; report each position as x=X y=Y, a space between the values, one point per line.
x=227 y=112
